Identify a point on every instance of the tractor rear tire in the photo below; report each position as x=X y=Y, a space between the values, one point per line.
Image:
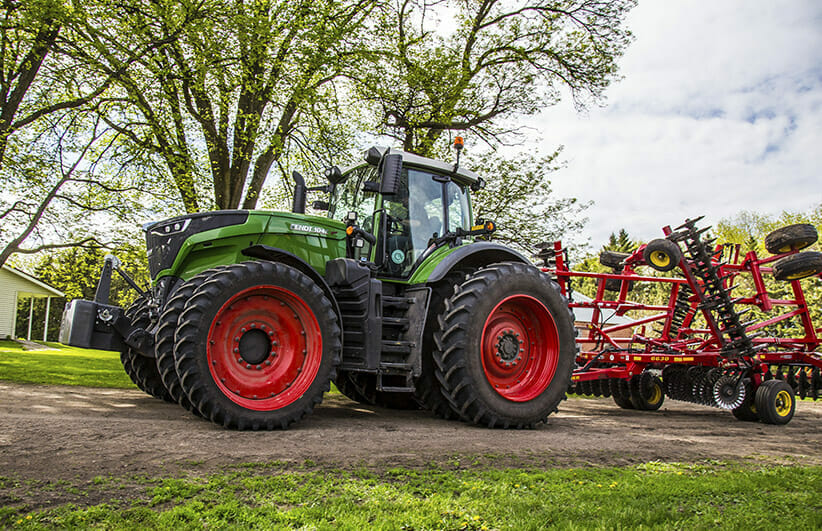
x=257 y=345
x=429 y=392
x=775 y=402
x=785 y=239
x=505 y=347
x=164 y=338
x=141 y=369
x=798 y=266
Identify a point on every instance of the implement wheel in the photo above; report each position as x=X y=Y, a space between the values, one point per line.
x=662 y=255
x=798 y=266
x=257 y=346
x=612 y=259
x=792 y=237
x=141 y=369
x=775 y=402
x=646 y=392
x=506 y=346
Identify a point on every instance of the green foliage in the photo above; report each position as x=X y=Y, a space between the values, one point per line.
x=518 y=197
x=62 y=366
x=505 y=59
x=651 y=495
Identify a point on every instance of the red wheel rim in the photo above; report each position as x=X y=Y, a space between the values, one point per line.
x=264 y=348
x=520 y=348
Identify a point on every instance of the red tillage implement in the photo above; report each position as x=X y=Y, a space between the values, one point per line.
x=702 y=350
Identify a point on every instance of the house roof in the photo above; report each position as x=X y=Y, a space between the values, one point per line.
x=39 y=283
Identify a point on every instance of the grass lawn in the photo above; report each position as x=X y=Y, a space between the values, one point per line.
x=651 y=495
x=62 y=366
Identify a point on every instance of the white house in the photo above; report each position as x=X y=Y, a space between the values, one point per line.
x=16 y=285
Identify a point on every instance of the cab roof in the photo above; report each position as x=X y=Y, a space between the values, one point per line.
x=416 y=161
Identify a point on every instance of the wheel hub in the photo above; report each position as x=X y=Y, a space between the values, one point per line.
x=509 y=348
x=254 y=346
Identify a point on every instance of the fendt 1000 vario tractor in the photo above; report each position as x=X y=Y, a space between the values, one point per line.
x=393 y=297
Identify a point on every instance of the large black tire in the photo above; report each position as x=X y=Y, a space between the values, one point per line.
x=646 y=392
x=257 y=346
x=164 y=338
x=798 y=266
x=612 y=259
x=662 y=255
x=141 y=369
x=775 y=402
x=429 y=392
x=791 y=237
x=506 y=347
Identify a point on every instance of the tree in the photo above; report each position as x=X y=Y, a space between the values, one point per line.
x=54 y=145
x=620 y=243
x=505 y=59
x=218 y=105
x=518 y=198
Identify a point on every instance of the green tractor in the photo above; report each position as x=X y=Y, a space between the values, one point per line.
x=394 y=296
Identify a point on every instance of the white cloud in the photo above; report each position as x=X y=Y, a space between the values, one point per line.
x=719 y=111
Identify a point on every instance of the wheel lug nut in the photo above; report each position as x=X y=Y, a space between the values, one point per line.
x=236 y=351
x=239 y=360
x=253 y=325
x=259 y=367
x=242 y=330
x=267 y=362
x=247 y=365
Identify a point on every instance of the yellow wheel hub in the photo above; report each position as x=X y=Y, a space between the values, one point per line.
x=660 y=259
x=656 y=395
x=783 y=403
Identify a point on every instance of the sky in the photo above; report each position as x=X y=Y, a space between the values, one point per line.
x=719 y=111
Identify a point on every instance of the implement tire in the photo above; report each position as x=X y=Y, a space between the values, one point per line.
x=775 y=402
x=141 y=369
x=257 y=346
x=505 y=347
x=798 y=266
x=785 y=239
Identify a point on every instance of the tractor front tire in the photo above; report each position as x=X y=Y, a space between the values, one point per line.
x=257 y=346
x=505 y=347
x=142 y=369
x=164 y=338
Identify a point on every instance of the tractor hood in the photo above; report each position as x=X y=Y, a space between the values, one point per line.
x=165 y=238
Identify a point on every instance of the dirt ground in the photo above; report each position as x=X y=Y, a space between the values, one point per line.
x=54 y=433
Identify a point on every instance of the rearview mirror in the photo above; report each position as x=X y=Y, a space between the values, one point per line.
x=391 y=173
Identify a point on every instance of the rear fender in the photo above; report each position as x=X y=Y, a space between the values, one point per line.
x=475 y=255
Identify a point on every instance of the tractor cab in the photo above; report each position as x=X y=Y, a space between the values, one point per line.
x=401 y=207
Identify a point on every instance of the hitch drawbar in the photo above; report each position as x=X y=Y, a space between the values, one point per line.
x=99 y=325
